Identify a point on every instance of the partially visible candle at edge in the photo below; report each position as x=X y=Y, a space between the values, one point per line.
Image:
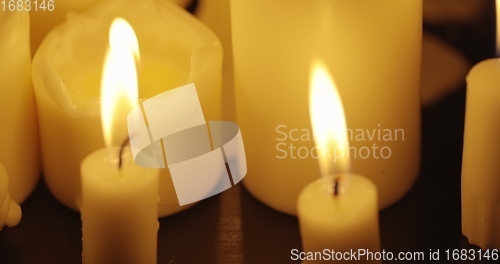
x=481 y=152
x=19 y=150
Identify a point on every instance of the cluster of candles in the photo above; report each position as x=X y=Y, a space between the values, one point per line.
x=274 y=54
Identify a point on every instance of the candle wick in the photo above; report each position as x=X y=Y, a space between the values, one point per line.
x=336 y=187
x=120 y=154
x=192 y=7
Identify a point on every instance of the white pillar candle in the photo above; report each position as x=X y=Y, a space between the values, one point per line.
x=339 y=212
x=373 y=49
x=481 y=152
x=119 y=209
x=10 y=211
x=19 y=133
x=481 y=155
x=176 y=49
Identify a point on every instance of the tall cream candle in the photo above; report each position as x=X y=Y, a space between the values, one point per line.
x=176 y=49
x=19 y=134
x=481 y=152
x=372 y=49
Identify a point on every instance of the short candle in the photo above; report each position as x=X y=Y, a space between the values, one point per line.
x=119 y=198
x=119 y=209
x=342 y=222
x=338 y=211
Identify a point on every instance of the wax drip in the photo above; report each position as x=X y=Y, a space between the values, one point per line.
x=120 y=154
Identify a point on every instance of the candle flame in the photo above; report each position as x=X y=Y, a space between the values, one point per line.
x=328 y=122
x=119 y=88
x=497 y=4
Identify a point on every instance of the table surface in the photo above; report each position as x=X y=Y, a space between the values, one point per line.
x=233 y=227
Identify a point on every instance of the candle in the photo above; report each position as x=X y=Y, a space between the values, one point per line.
x=338 y=212
x=481 y=151
x=119 y=198
x=46 y=14
x=373 y=49
x=18 y=136
x=342 y=223
x=10 y=211
x=119 y=209
x=176 y=49
x=215 y=14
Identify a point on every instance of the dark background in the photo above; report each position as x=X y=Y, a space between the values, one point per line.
x=233 y=227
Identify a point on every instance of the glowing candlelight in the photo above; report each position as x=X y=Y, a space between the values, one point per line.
x=176 y=49
x=119 y=91
x=328 y=122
